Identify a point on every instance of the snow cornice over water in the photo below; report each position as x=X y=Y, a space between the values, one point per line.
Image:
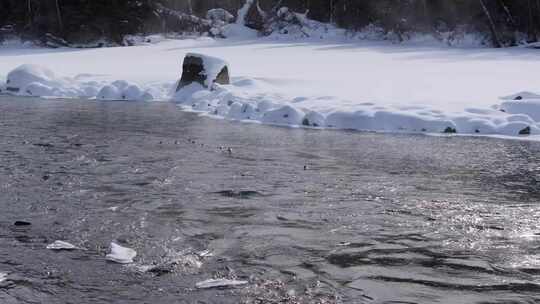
x=357 y=85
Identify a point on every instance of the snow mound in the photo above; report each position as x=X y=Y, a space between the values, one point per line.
x=27 y=74
x=38 y=81
x=238 y=31
x=530 y=108
x=122 y=255
x=243 y=101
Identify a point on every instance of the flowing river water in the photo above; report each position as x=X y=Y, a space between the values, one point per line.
x=304 y=216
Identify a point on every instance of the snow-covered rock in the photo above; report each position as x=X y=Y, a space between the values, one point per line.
x=109 y=92
x=314 y=119
x=286 y=115
x=26 y=74
x=205 y=70
x=122 y=255
x=132 y=92
x=37 y=89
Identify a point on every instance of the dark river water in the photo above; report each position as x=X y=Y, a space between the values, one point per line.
x=305 y=216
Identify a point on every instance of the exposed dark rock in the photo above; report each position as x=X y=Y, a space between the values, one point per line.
x=526 y=131
x=199 y=68
x=450 y=130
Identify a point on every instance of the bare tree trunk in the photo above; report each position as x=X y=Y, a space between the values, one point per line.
x=495 y=36
x=531 y=22
x=190 y=7
x=331 y=11
x=30 y=19
x=508 y=13
x=59 y=15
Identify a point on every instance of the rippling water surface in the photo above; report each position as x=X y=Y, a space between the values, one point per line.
x=305 y=216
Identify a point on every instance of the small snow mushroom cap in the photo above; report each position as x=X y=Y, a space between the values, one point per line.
x=205 y=70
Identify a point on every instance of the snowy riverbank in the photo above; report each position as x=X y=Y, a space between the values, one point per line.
x=362 y=85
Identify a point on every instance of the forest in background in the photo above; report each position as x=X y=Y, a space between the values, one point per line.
x=505 y=22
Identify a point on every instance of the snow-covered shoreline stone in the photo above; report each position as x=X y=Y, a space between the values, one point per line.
x=30 y=74
x=205 y=70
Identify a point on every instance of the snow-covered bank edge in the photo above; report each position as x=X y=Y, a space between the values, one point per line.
x=517 y=115
x=256 y=100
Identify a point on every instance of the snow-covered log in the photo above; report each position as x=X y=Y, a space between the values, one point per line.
x=205 y=70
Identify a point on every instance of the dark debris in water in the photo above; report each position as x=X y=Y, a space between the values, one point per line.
x=242 y=194
x=22 y=223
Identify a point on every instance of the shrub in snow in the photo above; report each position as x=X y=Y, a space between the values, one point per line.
x=109 y=92
x=219 y=15
x=26 y=74
x=205 y=70
x=285 y=115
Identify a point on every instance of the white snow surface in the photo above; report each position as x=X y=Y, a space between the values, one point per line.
x=335 y=83
x=122 y=255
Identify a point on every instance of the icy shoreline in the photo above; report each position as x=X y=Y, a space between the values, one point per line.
x=367 y=86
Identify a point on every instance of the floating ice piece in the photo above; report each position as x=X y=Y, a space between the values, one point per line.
x=3 y=276
x=61 y=245
x=216 y=283
x=205 y=253
x=122 y=255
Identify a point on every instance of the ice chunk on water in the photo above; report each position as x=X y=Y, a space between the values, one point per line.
x=61 y=245
x=215 y=283
x=122 y=255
